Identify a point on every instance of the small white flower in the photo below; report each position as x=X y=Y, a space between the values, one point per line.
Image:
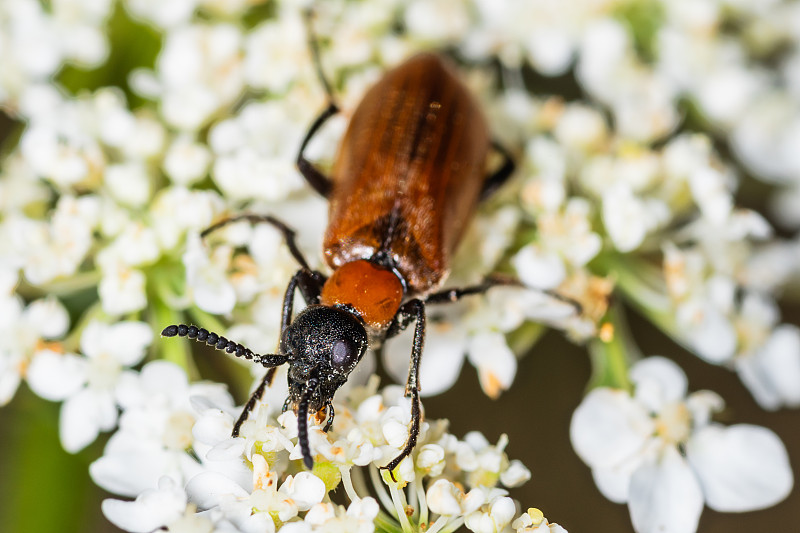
x=23 y=335
x=534 y=521
x=711 y=190
x=205 y=275
x=152 y=509
x=160 y=417
x=186 y=160
x=87 y=384
x=55 y=249
x=445 y=498
x=256 y=152
x=163 y=14
x=495 y=362
x=539 y=268
x=276 y=53
x=122 y=290
x=305 y=489
x=565 y=241
x=633 y=445
x=515 y=475
x=136 y=245
x=763 y=136
x=493 y=517
x=128 y=183
x=628 y=218
x=547 y=191
x=430 y=459
x=581 y=128
x=199 y=70
x=440 y=21
x=175 y=210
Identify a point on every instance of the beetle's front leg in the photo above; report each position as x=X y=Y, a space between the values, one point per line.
x=331 y=414
x=410 y=311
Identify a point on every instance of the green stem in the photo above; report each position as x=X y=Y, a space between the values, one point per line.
x=174 y=350
x=207 y=320
x=67 y=286
x=73 y=341
x=522 y=339
x=167 y=283
x=613 y=352
x=385 y=523
x=643 y=285
x=400 y=508
x=454 y=525
x=380 y=488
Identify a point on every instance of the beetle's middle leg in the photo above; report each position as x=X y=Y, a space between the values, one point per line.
x=453 y=295
x=287 y=232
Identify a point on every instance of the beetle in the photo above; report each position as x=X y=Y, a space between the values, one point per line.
x=409 y=174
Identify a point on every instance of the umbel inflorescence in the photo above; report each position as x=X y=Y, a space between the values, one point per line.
x=621 y=198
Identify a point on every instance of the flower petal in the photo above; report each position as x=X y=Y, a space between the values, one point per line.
x=83 y=416
x=441 y=363
x=208 y=489
x=538 y=268
x=608 y=428
x=129 y=340
x=305 y=489
x=741 y=468
x=9 y=378
x=773 y=373
x=151 y=510
x=49 y=317
x=665 y=496
x=128 y=474
x=55 y=376
x=125 y=341
x=495 y=361
x=659 y=382
x=444 y=498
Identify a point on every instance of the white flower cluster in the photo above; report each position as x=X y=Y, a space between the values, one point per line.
x=174 y=434
x=37 y=41
x=102 y=200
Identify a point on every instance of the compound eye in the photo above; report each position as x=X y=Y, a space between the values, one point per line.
x=344 y=354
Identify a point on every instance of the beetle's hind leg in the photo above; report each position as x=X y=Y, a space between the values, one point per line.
x=496 y=179
x=318 y=181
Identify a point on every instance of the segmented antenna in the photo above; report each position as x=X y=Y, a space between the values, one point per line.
x=302 y=416
x=221 y=343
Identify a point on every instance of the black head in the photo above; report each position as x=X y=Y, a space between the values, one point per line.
x=324 y=345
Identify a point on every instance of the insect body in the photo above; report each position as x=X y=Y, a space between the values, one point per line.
x=408 y=176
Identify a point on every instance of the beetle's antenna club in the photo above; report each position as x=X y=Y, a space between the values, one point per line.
x=302 y=422
x=219 y=342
